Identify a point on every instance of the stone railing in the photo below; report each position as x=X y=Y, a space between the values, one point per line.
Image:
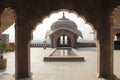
x=86 y=45
x=38 y=45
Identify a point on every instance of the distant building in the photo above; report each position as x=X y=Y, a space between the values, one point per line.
x=63 y=33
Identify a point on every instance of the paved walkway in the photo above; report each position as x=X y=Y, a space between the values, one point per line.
x=60 y=70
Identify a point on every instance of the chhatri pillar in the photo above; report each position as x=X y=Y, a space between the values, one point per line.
x=51 y=40
x=63 y=40
x=22 y=50
x=58 y=41
x=105 y=49
x=68 y=41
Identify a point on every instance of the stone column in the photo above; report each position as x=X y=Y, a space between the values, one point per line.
x=58 y=40
x=105 y=50
x=68 y=41
x=63 y=40
x=75 y=41
x=22 y=50
x=72 y=41
x=51 y=39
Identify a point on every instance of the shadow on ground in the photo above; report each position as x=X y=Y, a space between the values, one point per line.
x=2 y=70
x=114 y=79
x=30 y=78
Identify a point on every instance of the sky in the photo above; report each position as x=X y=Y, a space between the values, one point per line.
x=41 y=28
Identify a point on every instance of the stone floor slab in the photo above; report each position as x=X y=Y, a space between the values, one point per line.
x=60 y=70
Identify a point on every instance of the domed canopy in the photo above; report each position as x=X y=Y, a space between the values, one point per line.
x=66 y=24
x=63 y=23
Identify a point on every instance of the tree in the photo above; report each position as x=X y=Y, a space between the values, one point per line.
x=2 y=48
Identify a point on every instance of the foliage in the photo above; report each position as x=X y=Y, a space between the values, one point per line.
x=2 y=47
x=44 y=41
x=7 y=48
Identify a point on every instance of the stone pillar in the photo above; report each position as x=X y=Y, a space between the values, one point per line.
x=72 y=41
x=63 y=40
x=0 y=19
x=68 y=41
x=105 y=50
x=59 y=41
x=75 y=37
x=52 y=42
x=22 y=50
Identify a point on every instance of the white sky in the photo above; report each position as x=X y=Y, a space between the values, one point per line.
x=40 y=31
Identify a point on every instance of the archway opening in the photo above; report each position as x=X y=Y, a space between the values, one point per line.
x=66 y=41
x=87 y=30
x=7 y=33
x=115 y=21
x=63 y=41
x=89 y=39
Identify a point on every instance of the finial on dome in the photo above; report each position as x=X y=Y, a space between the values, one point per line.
x=63 y=15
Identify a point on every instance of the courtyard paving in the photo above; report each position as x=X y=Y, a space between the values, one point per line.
x=60 y=70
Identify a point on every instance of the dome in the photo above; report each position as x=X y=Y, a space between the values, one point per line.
x=63 y=23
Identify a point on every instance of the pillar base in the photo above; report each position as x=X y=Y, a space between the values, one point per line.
x=23 y=76
x=107 y=76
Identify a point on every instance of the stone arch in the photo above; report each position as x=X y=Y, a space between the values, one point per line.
x=46 y=7
x=85 y=18
x=8 y=17
x=115 y=20
x=69 y=11
x=67 y=33
x=114 y=13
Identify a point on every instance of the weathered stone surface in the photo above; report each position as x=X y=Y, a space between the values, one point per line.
x=3 y=63
x=31 y=12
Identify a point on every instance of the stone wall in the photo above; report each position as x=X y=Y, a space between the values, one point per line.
x=86 y=45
